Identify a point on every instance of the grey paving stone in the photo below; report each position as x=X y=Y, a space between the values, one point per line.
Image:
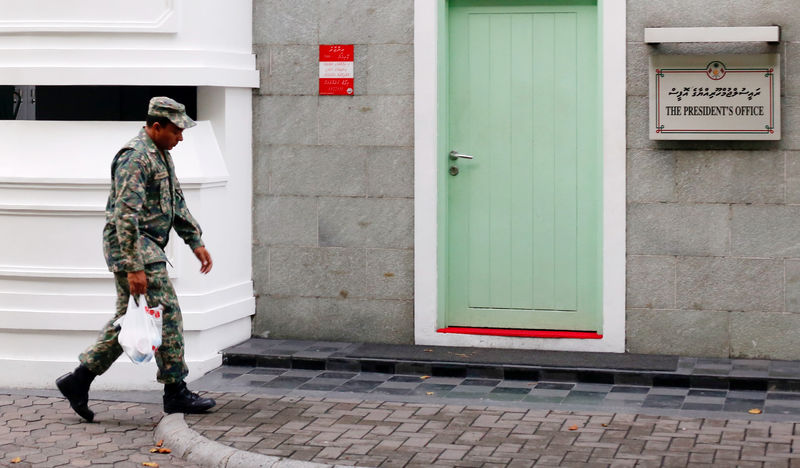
x=285 y=21
x=297 y=124
x=695 y=332
x=668 y=391
x=390 y=171
x=318 y=170
x=677 y=229
x=366 y=22
x=756 y=334
x=650 y=282
x=730 y=284
x=390 y=273
x=290 y=70
x=629 y=389
x=325 y=272
x=663 y=401
x=792 y=280
x=366 y=121
x=768 y=231
x=286 y=220
x=730 y=177
x=381 y=223
x=793 y=174
x=554 y=386
x=390 y=69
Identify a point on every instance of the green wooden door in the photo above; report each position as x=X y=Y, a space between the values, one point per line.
x=523 y=216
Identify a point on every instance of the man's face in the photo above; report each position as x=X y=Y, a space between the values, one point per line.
x=166 y=137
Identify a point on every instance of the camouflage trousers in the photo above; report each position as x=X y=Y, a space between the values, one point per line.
x=169 y=356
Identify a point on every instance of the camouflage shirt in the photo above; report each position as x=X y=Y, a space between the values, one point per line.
x=145 y=202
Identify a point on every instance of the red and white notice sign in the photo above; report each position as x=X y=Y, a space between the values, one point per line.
x=336 y=69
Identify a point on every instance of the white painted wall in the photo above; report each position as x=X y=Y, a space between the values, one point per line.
x=55 y=291
x=611 y=14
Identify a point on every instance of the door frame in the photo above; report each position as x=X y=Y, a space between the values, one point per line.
x=430 y=165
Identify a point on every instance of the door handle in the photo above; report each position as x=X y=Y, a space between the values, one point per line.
x=455 y=155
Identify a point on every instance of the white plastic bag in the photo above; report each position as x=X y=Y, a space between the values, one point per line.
x=141 y=330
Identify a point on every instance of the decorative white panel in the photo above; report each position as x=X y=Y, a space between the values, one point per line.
x=146 y=16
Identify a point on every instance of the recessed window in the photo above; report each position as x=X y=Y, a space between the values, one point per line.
x=117 y=103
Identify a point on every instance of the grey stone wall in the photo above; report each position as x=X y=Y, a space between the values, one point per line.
x=333 y=175
x=713 y=243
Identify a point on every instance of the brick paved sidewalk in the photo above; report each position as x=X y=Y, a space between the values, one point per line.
x=45 y=432
x=366 y=430
x=396 y=434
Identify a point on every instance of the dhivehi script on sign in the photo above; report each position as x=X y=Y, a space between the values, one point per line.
x=715 y=97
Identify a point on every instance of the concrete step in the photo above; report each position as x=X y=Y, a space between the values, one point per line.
x=518 y=364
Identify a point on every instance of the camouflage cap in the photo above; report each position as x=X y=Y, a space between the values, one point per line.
x=163 y=106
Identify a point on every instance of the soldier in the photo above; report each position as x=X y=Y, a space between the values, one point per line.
x=145 y=202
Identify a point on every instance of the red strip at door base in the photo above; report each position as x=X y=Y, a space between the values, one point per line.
x=522 y=333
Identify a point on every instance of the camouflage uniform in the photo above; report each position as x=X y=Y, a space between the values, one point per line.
x=145 y=203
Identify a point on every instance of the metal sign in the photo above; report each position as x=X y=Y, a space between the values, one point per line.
x=715 y=97
x=336 y=69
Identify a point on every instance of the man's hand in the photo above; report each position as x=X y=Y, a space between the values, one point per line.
x=137 y=282
x=205 y=259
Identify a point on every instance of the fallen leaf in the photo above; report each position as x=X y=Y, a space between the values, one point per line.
x=428 y=350
x=153 y=450
x=160 y=443
x=754 y=411
x=16 y=460
x=573 y=428
x=604 y=425
x=429 y=393
x=425 y=377
x=164 y=450
x=153 y=464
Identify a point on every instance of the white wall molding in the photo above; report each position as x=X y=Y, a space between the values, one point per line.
x=193 y=320
x=72 y=272
x=51 y=210
x=100 y=297
x=612 y=26
x=10 y=271
x=81 y=185
x=121 y=16
x=127 y=67
x=129 y=76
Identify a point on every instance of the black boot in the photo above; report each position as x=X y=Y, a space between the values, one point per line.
x=75 y=386
x=178 y=399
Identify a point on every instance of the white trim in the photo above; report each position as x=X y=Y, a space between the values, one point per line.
x=713 y=34
x=159 y=58
x=81 y=185
x=130 y=76
x=117 y=19
x=88 y=321
x=612 y=17
x=53 y=272
x=51 y=210
x=42 y=272
x=136 y=67
x=425 y=170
